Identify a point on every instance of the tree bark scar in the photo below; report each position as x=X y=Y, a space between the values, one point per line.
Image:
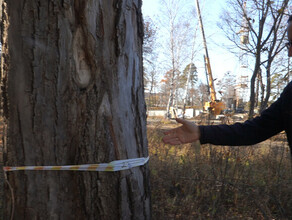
x=112 y=132
x=82 y=50
x=119 y=40
x=82 y=76
x=100 y=26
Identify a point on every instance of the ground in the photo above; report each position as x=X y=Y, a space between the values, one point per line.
x=194 y=181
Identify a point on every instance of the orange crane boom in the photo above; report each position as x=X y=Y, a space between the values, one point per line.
x=215 y=106
x=207 y=59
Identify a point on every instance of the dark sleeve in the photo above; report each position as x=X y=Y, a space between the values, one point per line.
x=269 y=123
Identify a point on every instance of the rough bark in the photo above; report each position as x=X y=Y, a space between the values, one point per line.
x=73 y=94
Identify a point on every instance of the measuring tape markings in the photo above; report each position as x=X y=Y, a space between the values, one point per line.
x=116 y=165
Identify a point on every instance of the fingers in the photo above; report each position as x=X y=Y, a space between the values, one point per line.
x=175 y=136
x=179 y=120
x=170 y=136
x=167 y=132
x=170 y=132
x=172 y=140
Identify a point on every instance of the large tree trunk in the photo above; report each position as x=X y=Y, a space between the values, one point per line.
x=73 y=94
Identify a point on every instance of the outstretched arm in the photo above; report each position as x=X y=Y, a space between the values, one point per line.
x=272 y=121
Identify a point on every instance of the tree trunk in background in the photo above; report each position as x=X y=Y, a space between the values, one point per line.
x=72 y=88
x=262 y=91
x=252 y=97
x=171 y=96
x=256 y=70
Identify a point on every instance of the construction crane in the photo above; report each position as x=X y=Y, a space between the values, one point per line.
x=214 y=106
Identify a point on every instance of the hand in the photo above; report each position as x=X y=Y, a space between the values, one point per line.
x=187 y=133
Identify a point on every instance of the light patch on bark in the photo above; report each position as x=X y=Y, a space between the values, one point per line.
x=104 y=108
x=83 y=73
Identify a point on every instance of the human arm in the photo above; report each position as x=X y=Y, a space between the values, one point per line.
x=247 y=133
x=272 y=121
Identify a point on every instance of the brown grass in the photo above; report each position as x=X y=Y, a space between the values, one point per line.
x=219 y=182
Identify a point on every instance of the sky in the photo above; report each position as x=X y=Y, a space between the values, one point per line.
x=221 y=59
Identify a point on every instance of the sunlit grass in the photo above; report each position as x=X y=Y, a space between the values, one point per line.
x=205 y=182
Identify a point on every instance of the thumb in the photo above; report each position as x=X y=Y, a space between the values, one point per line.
x=181 y=121
x=186 y=122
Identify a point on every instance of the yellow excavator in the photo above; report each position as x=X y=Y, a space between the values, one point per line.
x=215 y=107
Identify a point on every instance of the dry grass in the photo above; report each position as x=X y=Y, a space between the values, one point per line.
x=217 y=182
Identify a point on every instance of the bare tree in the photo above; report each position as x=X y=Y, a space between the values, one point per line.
x=190 y=77
x=150 y=59
x=149 y=53
x=226 y=89
x=72 y=87
x=265 y=22
x=177 y=34
x=278 y=82
x=203 y=94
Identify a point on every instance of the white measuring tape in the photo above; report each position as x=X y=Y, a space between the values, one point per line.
x=116 y=165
